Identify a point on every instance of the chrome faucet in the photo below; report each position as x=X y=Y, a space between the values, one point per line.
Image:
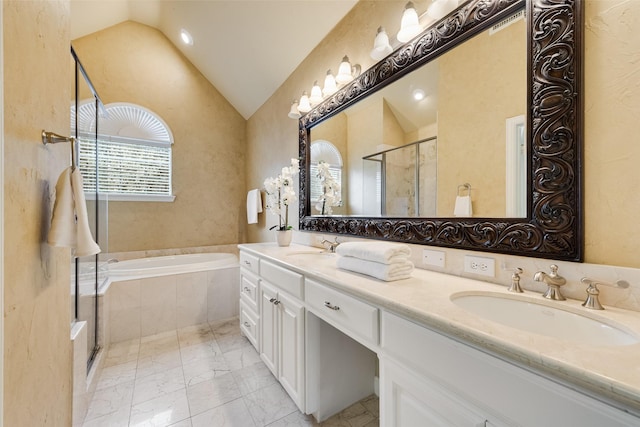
x=553 y=281
x=332 y=245
x=592 y=301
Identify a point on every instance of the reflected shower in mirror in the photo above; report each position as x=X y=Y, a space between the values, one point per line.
x=464 y=100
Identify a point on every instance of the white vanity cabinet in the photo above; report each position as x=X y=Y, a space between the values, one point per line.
x=429 y=379
x=249 y=305
x=282 y=328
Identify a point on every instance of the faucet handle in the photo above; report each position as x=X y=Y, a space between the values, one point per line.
x=515 y=280
x=592 y=300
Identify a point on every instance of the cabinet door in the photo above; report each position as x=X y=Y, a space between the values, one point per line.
x=408 y=400
x=269 y=326
x=291 y=349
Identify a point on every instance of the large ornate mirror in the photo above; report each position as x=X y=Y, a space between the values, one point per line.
x=404 y=182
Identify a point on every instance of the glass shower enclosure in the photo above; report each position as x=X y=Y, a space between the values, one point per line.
x=87 y=274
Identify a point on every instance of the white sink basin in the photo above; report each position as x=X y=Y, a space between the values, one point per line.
x=539 y=318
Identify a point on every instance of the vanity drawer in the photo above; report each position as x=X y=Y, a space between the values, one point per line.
x=345 y=312
x=249 y=324
x=249 y=289
x=286 y=280
x=250 y=262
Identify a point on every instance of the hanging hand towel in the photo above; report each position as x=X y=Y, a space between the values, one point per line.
x=382 y=252
x=386 y=272
x=463 y=207
x=63 y=223
x=85 y=244
x=254 y=206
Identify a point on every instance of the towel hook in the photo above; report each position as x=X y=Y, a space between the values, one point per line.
x=54 y=138
x=465 y=186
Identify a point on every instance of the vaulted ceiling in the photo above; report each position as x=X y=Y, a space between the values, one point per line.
x=245 y=48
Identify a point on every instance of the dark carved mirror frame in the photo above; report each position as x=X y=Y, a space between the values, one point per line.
x=553 y=227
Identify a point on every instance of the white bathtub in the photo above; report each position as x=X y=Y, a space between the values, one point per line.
x=152 y=295
x=173 y=264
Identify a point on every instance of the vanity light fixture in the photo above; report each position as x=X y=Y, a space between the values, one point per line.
x=304 y=106
x=186 y=37
x=441 y=8
x=316 y=94
x=381 y=46
x=410 y=24
x=330 y=86
x=294 y=113
x=345 y=71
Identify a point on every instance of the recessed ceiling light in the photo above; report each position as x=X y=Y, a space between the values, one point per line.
x=186 y=37
x=418 y=94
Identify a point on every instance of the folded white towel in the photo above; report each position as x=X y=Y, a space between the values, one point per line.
x=463 y=207
x=254 y=206
x=386 y=272
x=85 y=245
x=63 y=224
x=70 y=222
x=382 y=252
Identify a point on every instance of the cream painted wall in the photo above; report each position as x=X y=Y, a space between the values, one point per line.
x=131 y=62
x=37 y=345
x=482 y=83
x=612 y=105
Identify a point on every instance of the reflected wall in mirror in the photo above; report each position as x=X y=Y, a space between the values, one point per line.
x=464 y=98
x=505 y=118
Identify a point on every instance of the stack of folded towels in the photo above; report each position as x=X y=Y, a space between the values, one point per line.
x=382 y=260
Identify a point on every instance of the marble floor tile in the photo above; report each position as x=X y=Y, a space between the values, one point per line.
x=116 y=374
x=161 y=411
x=225 y=327
x=269 y=404
x=232 y=342
x=157 y=363
x=242 y=357
x=183 y=423
x=159 y=343
x=120 y=418
x=253 y=378
x=205 y=369
x=296 y=419
x=110 y=400
x=156 y=385
x=232 y=414
x=199 y=351
x=372 y=403
x=355 y=415
x=212 y=393
x=197 y=334
x=122 y=352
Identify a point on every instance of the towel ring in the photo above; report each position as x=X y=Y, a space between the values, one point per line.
x=465 y=186
x=54 y=138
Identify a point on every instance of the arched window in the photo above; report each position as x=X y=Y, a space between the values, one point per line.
x=324 y=151
x=133 y=152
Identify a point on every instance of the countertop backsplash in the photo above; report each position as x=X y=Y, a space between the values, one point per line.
x=628 y=298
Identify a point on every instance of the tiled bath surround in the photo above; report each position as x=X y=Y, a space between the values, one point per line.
x=148 y=306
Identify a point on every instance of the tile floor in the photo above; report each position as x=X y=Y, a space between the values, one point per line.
x=200 y=376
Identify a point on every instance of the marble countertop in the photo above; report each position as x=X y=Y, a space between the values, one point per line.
x=610 y=372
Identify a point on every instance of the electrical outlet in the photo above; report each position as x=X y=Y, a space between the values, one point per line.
x=433 y=258
x=480 y=265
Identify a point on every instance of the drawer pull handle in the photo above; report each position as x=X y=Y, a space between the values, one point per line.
x=276 y=302
x=247 y=290
x=247 y=263
x=272 y=300
x=332 y=307
x=247 y=324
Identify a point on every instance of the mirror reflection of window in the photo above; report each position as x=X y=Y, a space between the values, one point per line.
x=516 y=179
x=324 y=151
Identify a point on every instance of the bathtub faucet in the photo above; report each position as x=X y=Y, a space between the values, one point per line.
x=112 y=260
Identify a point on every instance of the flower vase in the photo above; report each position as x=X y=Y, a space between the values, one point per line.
x=283 y=237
